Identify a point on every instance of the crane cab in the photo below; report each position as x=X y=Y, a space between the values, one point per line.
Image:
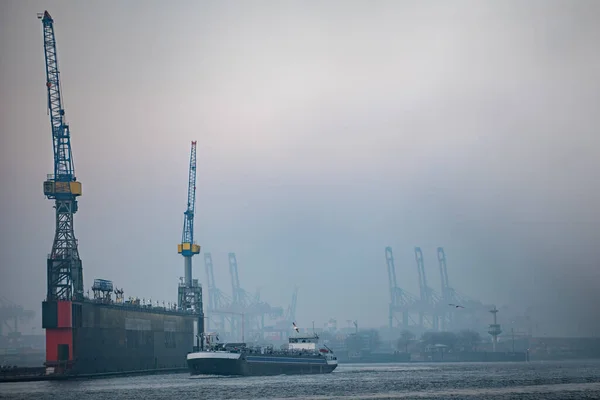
x=187 y=249
x=54 y=188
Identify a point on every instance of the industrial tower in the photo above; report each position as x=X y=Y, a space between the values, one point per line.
x=190 y=291
x=64 y=272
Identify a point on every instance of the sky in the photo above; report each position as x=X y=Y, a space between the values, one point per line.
x=326 y=131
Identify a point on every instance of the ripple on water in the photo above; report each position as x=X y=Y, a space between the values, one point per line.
x=565 y=380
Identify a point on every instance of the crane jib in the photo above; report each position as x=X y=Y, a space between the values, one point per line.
x=64 y=170
x=188 y=221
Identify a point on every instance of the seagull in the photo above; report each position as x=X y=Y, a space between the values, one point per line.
x=456 y=305
x=295 y=327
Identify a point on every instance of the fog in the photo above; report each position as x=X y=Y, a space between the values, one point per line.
x=326 y=131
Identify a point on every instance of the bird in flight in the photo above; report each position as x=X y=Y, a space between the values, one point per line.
x=295 y=327
x=455 y=305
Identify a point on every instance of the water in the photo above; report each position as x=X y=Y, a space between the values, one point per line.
x=535 y=380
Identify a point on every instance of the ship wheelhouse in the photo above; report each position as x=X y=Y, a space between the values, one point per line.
x=303 y=342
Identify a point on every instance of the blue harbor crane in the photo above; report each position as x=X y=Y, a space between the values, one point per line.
x=190 y=291
x=187 y=247
x=65 y=278
x=64 y=297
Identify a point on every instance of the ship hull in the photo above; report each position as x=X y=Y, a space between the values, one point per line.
x=105 y=338
x=232 y=364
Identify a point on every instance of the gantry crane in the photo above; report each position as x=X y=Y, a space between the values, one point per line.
x=239 y=295
x=290 y=314
x=11 y=312
x=190 y=291
x=400 y=300
x=429 y=305
x=447 y=292
x=218 y=302
x=464 y=318
x=253 y=309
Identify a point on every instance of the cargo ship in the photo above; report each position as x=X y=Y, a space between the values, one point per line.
x=302 y=355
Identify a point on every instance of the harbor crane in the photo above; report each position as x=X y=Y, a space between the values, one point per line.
x=11 y=312
x=65 y=294
x=219 y=304
x=430 y=301
x=290 y=314
x=255 y=310
x=190 y=291
x=469 y=316
x=445 y=310
x=65 y=277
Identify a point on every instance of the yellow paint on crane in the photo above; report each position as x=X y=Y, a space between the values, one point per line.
x=52 y=188
x=188 y=248
x=75 y=188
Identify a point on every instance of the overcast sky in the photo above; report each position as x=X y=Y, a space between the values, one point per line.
x=326 y=131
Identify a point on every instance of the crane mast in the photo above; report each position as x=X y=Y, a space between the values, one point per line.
x=65 y=278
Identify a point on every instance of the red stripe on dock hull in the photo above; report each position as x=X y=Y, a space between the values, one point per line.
x=65 y=314
x=56 y=337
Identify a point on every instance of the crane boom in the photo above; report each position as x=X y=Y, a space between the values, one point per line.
x=188 y=221
x=236 y=290
x=422 y=277
x=291 y=311
x=389 y=257
x=443 y=269
x=64 y=170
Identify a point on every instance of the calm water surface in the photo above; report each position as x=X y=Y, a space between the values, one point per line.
x=535 y=380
